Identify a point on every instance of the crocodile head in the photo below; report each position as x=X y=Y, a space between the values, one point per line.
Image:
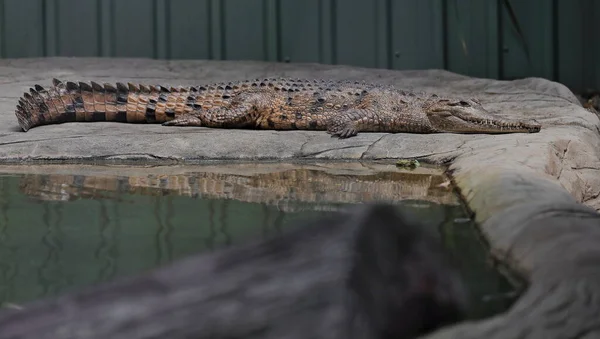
x=468 y=116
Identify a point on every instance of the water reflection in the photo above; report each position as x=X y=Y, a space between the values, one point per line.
x=63 y=227
x=267 y=184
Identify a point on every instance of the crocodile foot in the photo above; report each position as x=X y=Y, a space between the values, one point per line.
x=343 y=132
x=184 y=120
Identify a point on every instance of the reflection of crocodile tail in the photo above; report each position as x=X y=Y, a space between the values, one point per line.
x=282 y=189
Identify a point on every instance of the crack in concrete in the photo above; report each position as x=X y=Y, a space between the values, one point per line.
x=149 y=155
x=123 y=157
x=586 y=168
x=561 y=159
x=573 y=123
x=526 y=93
x=37 y=140
x=371 y=146
x=461 y=145
x=329 y=150
x=95 y=135
x=309 y=139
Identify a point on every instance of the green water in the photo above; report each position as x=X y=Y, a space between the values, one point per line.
x=58 y=233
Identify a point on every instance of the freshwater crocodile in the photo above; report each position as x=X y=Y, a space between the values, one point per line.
x=342 y=108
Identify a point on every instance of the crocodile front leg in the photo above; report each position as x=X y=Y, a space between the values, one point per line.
x=348 y=123
x=352 y=121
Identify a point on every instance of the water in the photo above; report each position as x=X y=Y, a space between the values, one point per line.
x=64 y=227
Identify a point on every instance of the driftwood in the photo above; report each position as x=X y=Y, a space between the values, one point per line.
x=369 y=274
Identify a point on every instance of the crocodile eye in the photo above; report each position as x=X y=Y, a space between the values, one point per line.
x=459 y=103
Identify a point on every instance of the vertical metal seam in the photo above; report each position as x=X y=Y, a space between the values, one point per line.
x=44 y=23
x=492 y=39
x=155 y=29
x=113 y=30
x=160 y=29
x=320 y=31
x=588 y=55
x=555 y=41
x=445 y=36
x=380 y=33
x=582 y=64
x=168 y=37
x=278 y=32
x=217 y=35
x=376 y=41
x=2 y=31
x=270 y=30
x=265 y=29
x=596 y=76
x=47 y=28
x=334 y=38
x=222 y=28
x=209 y=30
x=56 y=28
x=500 y=42
x=99 y=33
x=389 y=41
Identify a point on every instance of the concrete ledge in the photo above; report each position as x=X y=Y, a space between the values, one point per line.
x=535 y=227
x=525 y=189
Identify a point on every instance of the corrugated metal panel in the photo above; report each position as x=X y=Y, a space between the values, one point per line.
x=417 y=34
x=134 y=28
x=188 y=31
x=2 y=30
x=244 y=25
x=356 y=39
x=105 y=27
x=536 y=21
x=74 y=25
x=473 y=37
x=578 y=50
x=23 y=24
x=300 y=26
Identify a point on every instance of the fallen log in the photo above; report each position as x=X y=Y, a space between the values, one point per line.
x=369 y=274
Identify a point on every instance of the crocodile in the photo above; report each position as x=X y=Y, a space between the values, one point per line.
x=342 y=108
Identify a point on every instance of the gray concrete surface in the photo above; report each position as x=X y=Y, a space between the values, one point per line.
x=525 y=189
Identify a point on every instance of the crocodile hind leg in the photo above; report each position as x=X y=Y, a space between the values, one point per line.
x=239 y=113
x=190 y=119
x=348 y=123
x=220 y=117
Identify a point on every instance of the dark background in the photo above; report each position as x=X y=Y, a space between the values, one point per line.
x=503 y=39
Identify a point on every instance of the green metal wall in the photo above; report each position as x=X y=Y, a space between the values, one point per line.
x=473 y=37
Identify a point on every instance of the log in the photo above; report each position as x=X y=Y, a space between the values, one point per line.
x=372 y=273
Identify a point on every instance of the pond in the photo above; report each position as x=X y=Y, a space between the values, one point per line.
x=63 y=227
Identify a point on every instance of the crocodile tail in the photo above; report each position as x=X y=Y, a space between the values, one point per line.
x=90 y=102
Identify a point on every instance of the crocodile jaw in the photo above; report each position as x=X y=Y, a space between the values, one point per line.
x=457 y=119
x=454 y=124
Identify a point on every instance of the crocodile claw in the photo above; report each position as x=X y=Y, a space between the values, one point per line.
x=184 y=120
x=348 y=132
x=344 y=133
